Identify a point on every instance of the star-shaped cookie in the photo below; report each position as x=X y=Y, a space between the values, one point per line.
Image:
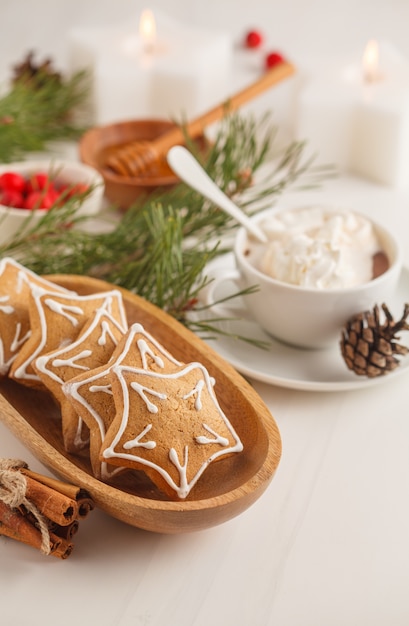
x=16 y=282
x=169 y=424
x=56 y=320
x=92 y=348
x=91 y=396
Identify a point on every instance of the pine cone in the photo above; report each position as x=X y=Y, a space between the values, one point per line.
x=369 y=347
x=34 y=74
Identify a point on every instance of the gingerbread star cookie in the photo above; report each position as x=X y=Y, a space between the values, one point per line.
x=90 y=393
x=56 y=320
x=169 y=424
x=92 y=348
x=16 y=282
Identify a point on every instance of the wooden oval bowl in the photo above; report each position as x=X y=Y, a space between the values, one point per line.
x=226 y=488
x=97 y=144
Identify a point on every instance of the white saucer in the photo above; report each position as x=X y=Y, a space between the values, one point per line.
x=285 y=366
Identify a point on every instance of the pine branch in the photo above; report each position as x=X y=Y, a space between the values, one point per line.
x=161 y=246
x=39 y=108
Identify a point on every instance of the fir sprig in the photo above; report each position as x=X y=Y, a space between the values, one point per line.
x=35 y=112
x=161 y=246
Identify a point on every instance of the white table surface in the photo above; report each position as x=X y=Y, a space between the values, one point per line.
x=328 y=542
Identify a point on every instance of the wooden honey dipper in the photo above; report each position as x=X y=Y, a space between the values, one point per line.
x=137 y=157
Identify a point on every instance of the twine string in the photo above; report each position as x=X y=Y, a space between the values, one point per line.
x=13 y=488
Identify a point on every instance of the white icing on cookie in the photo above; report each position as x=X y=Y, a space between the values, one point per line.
x=137 y=443
x=16 y=282
x=104 y=388
x=15 y=345
x=73 y=361
x=196 y=391
x=79 y=441
x=7 y=309
x=145 y=351
x=73 y=389
x=223 y=441
x=18 y=341
x=157 y=352
x=65 y=311
x=140 y=389
x=204 y=384
x=106 y=331
x=182 y=469
x=69 y=354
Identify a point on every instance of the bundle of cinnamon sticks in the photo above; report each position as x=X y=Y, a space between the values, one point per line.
x=48 y=515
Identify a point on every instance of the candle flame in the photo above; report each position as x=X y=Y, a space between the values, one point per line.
x=147 y=29
x=370 y=61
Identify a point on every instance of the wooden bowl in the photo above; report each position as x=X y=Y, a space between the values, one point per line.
x=226 y=489
x=97 y=144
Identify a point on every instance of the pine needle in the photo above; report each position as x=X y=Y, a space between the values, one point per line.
x=31 y=116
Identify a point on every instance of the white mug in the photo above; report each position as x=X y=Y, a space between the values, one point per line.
x=301 y=316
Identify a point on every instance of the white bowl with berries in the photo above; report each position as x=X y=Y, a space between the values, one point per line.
x=29 y=189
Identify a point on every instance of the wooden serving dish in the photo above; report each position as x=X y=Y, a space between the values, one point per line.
x=227 y=487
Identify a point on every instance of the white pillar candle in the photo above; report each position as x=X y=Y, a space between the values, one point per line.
x=357 y=118
x=178 y=73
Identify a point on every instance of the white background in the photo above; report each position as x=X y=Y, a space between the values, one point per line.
x=310 y=27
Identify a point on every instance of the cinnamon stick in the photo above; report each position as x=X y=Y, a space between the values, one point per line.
x=17 y=526
x=54 y=505
x=65 y=532
x=85 y=503
x=41 y=512
x=62 y=547
x=85 y=506
x=63 y=550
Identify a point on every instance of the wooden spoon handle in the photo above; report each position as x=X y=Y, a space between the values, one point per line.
x=137 y=157
x=197 y=126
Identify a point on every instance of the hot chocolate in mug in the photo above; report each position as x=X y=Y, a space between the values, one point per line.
x=312 y=314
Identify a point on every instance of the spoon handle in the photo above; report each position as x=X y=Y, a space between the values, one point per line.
x=198 y=125
x=191 y=172
x=135 y=157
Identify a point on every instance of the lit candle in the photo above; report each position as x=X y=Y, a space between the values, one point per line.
x=147 y=30
x=358 y=118
x=370 y=62
x=165 y=70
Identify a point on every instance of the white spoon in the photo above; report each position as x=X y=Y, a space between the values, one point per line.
x=184 y=164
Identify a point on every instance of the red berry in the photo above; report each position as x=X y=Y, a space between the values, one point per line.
x=39 y=191
x=12 y=198
x=40 y=200
x=33 y=200
x=52 y=196
x=78 y=188
x=273 y=59
x=254 y=39
x=38 y=182
x=12 y=180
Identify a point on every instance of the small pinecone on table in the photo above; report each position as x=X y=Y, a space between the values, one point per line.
x=369 y=346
